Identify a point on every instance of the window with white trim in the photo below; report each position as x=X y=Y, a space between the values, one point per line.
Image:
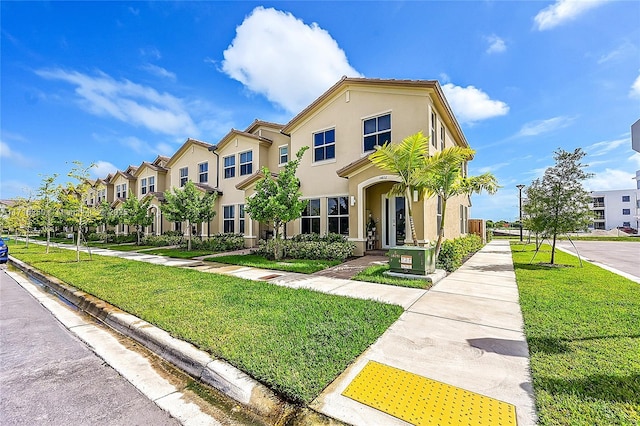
x=626 y=224
x=203 y=172
x=324 y=145
x=434 y=136
x=246 y=163
x=464 y=214
x=338 y=215
x=152 y=184
x=228 y=219
x=376 y=131
x=229 y=166
x=626 y=212
x=283 y=154
x=121 y=190
x=626 y=198
x=143 y=186
x=439 y=214
x=311 y=217
x=442 y=135
x=241 y=218
x=184 y=176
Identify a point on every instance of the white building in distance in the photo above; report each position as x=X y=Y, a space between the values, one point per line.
x=616 y=209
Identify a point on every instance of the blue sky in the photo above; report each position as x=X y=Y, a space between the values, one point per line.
x=117 y=83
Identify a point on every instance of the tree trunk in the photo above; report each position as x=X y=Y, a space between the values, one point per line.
x=188 y=235
x=78 y=244
x=412 y=226
x=441 y=230
x=553 y=249
x=277 y=253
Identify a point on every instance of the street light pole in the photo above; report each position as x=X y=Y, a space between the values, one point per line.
x=520 y=186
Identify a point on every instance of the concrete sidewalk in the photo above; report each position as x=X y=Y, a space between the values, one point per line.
x=466 y=331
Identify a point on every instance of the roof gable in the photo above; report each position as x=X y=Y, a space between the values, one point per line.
x=185 y=146
x=233 y=134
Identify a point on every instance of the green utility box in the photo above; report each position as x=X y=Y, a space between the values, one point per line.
x=412 y=260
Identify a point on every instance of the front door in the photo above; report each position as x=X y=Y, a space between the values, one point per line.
x=394 y=221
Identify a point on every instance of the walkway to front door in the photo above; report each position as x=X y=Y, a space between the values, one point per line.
x=350 y=268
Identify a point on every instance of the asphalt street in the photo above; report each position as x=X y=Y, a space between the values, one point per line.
x=621 y=255
x=49 y=377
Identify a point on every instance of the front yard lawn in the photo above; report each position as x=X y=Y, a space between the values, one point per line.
x=583 y=330
x=303 y=266
x=375 y=274
x=296 y=341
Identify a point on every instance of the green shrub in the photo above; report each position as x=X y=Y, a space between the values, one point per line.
x=172 y=233
x=312 y=247
x=161 y=240
x=126 y=238
x=217 y=243
x=454 y=252
x=489 y=235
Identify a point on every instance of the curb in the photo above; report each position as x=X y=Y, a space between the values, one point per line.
x=214 y=372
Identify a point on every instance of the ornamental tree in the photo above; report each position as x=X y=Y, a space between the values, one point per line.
x=136 y=213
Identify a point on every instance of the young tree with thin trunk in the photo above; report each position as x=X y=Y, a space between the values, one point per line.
x=136 y=213
x=277 y=200
x=558 y=203
x=188 y=204
x=48 y=203
x=77 y=197
x=442 y=176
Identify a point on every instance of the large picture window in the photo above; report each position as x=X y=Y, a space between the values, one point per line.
x=338 y=215
x=324 y=145
x=228 y=221
x=203 y=172
x=246 y=163
x=229 y=166
x=311 y=217
x=376 y=131
x=184 y=176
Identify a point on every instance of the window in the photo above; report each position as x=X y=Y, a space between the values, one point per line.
x=626 y=224
x=283 y=154
x=177 y=226
x=184 y=176
x=338 y=214
x=311 y=217
x=246 y=163
x=626 y=198
x=377 y=131
x=434 y=136
x=203 y=172
x=143 y=186
x=121 y=190
x=324 y=145
x=598 y=215
x=229 y=166
x=152 y=184
x=228 y=219
x=464 y=214
x=598 y=201
x=439 y=214
x=241 y=218
x=442 y=133
x=626 y=212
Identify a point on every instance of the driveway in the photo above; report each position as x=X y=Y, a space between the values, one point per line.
x=621 y=255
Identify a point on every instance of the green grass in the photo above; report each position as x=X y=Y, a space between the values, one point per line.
x=583 y=330
x=178 y=252
x=303 y=266
x=375 y=274
x=296 y=341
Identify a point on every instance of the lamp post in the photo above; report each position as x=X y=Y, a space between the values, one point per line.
x=520 y=186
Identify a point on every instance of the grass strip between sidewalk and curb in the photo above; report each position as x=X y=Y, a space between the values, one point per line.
x=583 y=330
x=296 y=341
x=303 y=266
x=375 y=274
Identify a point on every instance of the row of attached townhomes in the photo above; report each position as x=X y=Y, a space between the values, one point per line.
x=346 y=192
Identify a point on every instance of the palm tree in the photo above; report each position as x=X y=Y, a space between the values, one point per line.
x=442 y=176
x=406 y=160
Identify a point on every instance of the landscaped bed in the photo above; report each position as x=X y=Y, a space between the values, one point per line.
x=375 y=274
x=303 y=266
x=583 y=330
x=294 y=340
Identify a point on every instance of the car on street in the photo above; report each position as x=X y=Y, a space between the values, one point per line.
x=4 y=251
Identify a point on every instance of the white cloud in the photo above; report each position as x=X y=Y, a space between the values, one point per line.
x=496 y=44
x=635 y=159
x=625 y=49
x=602 y=148
x=492 y=168
x=289 y=62
x=610 y=179
x=102 y=169
x=635 y=88
x=14 y=188
x=562 y=11
x=471 y=104
x=9 y=154
x=534 y=128
x=128 y=102
x=159 y=71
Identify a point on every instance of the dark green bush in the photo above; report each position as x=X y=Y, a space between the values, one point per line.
x=217 y=243
x=172 y=233
x=317 y=238
x=454 y=252
x=161 y=240
x=125 y=238
x=313 y=247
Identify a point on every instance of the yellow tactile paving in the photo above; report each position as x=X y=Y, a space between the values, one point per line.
x=421 y=401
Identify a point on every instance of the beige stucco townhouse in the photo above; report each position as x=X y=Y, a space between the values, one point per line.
x=346 y=192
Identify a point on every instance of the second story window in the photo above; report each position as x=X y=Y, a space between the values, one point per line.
x=143 y=186
x=203 y=172
x=324 y=145
x=246 y=163
x=626 y=198
x=376 y=131
x=229 y=166
x=442 y=138
x=184 y=176
x=626 y=212
x=121 y=190
x=283 y=154
x=152 y=184
x=434 y=135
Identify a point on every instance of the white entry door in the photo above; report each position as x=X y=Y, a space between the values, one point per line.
x=394 y=221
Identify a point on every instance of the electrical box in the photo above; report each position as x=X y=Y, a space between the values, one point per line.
x=412 y=260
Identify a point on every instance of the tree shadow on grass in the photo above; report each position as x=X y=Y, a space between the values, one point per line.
x=555 y=345
x=542 y=266
x=623 y=389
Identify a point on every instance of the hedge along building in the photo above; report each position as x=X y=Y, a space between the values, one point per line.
x=344 y=189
